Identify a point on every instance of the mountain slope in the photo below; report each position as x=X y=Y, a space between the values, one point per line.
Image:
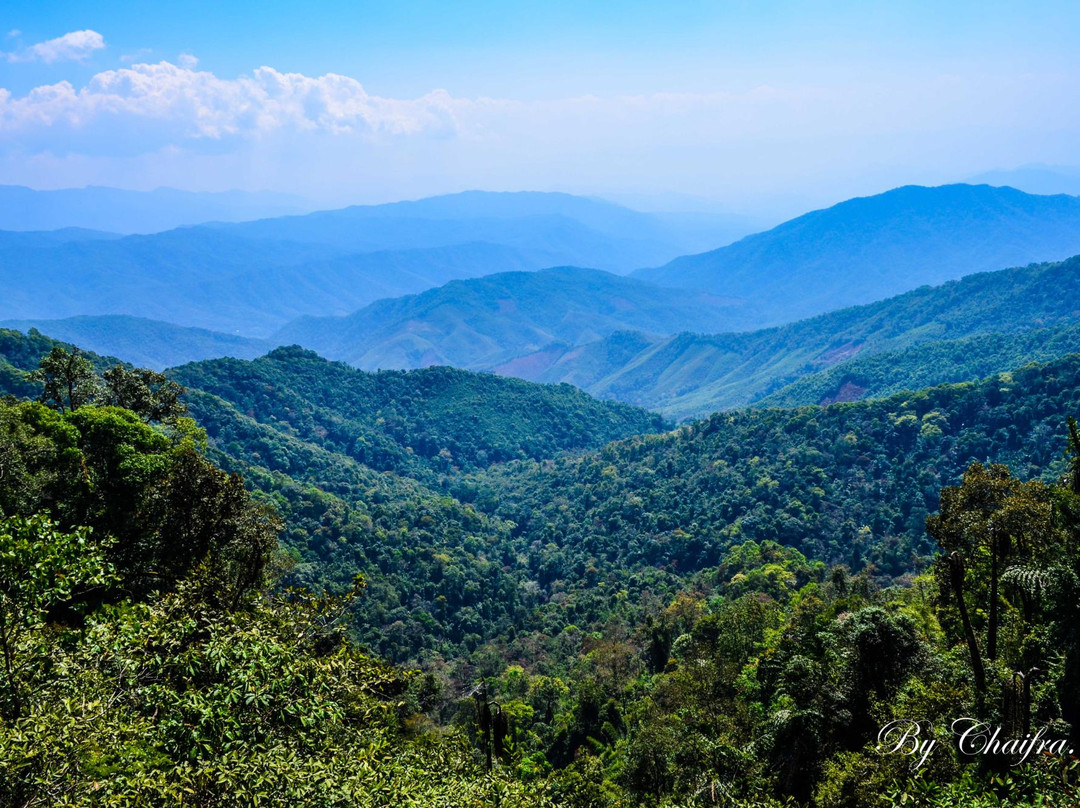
x=394 y=419
x=575 y=230
x=145 y=343
x=253 y=278
x=690 y=375
x=927 y=364
x=849 y=484
x=484 y=322
x=207 y=278
x=869 y=248
x=358 y=465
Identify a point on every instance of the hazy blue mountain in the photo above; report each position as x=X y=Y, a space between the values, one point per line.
x=482 y=322
x=870 y=248
x=145 y=343
x=364 y=278
x=580 y=231
x=51 y=238
x=253 y=278
x=212 y=279
x=689 y=375
x=198 y=277
x=119 y=211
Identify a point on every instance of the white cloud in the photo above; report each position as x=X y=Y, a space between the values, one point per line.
x=327 y=136
x=73 y=46
x=14 y=32
x=187 y=61
x=147 y=106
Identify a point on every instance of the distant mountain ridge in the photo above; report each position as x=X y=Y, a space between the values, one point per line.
x=253 y=278
x=145 y=343
x=482 y=322
x=583 y=231
x=1034 y=179
x=870 y=248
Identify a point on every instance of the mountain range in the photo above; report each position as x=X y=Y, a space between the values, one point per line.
x=240 y=289
x=253 y=278
x=483 y=322
x=637 y=606
x=869 y=248
x=690 y=375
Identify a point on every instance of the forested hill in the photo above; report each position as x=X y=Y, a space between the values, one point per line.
x=437 y=417
x=416 y=421
x=872 y=247
x=693 y=375
x=849 y=483
x=927 y=364
x=300 y=430
x=20 y=353
x=608 y=574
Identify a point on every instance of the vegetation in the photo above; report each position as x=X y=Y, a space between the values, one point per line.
x=850 y=483
x=725 y=614
x=436 y=418
x=692 y=375
x=885 y=374
x=199 y=689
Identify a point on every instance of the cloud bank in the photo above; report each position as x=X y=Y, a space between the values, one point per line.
x=148 y=106
x=327 y=136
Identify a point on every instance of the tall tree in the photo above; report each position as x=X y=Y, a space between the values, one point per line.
x=68 y=378
x=151 y=395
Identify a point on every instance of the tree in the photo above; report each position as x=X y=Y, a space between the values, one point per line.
x=986 y=524
x=198 y=518
x=68 y=378
x=40 y=568
x=151 y=395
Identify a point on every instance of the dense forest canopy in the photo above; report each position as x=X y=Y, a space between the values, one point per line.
x=725 y=613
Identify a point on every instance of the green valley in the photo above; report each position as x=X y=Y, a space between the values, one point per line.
x=501 y=535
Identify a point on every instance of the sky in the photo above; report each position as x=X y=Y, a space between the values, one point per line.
x=739 y=106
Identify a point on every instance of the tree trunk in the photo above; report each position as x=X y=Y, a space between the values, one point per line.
x=956 y=570
x=992 y=622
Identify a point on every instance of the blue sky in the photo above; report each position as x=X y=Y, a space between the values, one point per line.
x=737 y=103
